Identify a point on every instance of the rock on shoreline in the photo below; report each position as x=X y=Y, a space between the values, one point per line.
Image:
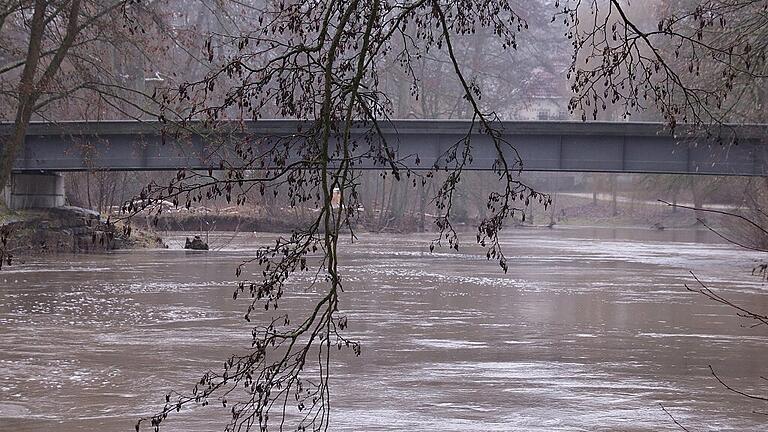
x=69 y=230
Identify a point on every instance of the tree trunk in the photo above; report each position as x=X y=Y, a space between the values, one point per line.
x=27 y=94
x=530 y=214
x=674 y=201
x=88 y=189
x=29 y=90
x=698 y=200
x=422 y=207
x=552 y=209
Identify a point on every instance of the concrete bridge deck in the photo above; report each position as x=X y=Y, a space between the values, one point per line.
x=543 y=146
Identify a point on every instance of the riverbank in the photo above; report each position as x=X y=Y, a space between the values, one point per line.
x=581 y=209
x=78 y=230
x=67 y=230
x=567 y=209
x=202 y=222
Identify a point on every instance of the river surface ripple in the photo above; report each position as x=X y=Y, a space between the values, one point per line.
x=591 y=329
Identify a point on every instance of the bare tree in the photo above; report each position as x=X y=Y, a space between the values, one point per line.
x=321 y=62
x=87 y=60
x=36 y=75
x=753 y=318
x=693 y=62
x=324 y=63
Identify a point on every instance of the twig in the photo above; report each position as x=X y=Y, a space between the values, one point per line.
x=720 y=212
x=673 y=418
x=739 y=392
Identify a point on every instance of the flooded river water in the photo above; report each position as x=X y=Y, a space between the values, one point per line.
x=591 y=329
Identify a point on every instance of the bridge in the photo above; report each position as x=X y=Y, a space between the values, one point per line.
x=51 y=148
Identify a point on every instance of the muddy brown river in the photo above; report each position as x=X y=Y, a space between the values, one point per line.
x=590 y=330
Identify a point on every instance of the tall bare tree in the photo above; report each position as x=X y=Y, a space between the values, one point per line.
x=40 y=66
x=324 y=63
x=691 y=60
x=90 y=60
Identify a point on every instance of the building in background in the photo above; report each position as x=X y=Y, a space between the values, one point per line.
x=548 y=95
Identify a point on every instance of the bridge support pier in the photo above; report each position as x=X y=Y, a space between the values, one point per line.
x=40 y=190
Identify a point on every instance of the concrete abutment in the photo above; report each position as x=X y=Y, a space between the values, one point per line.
x=38 y=190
